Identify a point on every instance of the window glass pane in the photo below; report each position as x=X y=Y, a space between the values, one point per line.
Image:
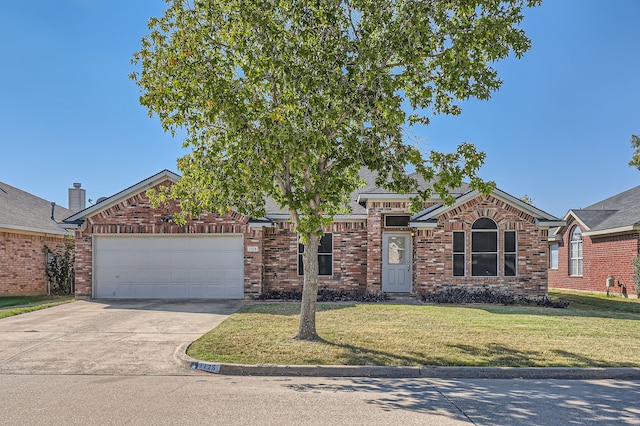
x=325 y=265
x=575 y=252
x=402 y=221
x=325 y=256
x=484 y=242
x=326 y=244
x=509 y=265
x=484 y=265
x=510 y=242
x=396 y=250
x=553 y=261
x=576 y=234
x=458 y=265
x=458 y=242
x=484 y=223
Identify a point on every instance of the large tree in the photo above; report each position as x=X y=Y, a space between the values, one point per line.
x=290 y=99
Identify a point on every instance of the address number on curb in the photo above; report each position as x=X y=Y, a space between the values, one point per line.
x=206 y=366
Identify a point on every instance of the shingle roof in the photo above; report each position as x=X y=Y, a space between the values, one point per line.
x=370 y=188
x=614 y=212
x=22 y=211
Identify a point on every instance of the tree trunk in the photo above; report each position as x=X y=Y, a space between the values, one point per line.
x=307 y=330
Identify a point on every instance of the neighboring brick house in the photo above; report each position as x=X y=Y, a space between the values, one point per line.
x=25 y=228
x=597 y=242
x=125 y=248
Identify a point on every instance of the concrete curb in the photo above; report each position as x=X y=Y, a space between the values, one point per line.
x=434 y=372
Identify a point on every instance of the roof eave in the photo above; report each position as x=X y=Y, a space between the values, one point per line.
x=619 y=230
x=424 y=224
x=364 y=197
x=337 y=218
x=14 y=228
x=545 y=223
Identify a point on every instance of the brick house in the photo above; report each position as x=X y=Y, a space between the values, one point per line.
x=597 y=242
x=25 y=228
x=125 y=248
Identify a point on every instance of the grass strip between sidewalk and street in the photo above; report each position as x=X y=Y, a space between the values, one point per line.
x=16 y=305
x=594 y=331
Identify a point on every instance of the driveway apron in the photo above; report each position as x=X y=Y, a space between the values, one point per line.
x=123 y=337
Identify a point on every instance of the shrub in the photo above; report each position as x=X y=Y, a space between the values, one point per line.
x=60 y=272
x=460 y=295
x=327 y=295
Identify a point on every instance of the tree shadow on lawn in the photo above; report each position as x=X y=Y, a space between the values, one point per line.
x=577 y=309
x=290 y=308
x=356 y=355
x=493 y=355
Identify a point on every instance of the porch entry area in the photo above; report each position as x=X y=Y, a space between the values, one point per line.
x=396 y=262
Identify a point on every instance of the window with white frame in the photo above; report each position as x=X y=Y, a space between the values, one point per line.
x=510 y=253
x=484 y=248
x=325 y=256
x=459 y=251
x=553 y=256
x=575 y=252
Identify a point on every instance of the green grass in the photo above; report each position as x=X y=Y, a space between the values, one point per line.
x=595 y=331
x=15 y=305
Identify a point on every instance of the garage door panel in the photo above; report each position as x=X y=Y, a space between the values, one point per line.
x=169 y=267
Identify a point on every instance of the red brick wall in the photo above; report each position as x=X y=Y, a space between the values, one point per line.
x=271 y=265
x=433 y=250
x=136 y=215
x=349 y=258
x=601 y=257
x=22 y=262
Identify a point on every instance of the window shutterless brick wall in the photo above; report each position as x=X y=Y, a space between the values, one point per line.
x=601 y=257
x=22 y=262
x=433 y=259
x=349 y=258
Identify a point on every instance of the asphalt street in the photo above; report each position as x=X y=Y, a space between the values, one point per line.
x=239 y=400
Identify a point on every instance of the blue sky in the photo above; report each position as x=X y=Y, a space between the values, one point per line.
x=558 y=130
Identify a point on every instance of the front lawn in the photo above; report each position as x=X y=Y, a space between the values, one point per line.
x=14 y=305
x=595 y=331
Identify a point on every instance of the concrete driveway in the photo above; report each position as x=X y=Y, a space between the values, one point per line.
x=124 y=337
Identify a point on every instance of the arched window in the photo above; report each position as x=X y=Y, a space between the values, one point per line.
x=484 y=248
x=575 y=252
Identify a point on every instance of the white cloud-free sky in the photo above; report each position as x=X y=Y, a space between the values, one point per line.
x=558 y=130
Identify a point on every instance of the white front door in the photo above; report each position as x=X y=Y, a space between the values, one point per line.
x=396 y=262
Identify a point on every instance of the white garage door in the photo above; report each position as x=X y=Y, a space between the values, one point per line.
x=168 y=267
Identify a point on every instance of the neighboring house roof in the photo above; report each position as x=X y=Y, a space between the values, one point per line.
x=620 y=213
x=21 y=211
